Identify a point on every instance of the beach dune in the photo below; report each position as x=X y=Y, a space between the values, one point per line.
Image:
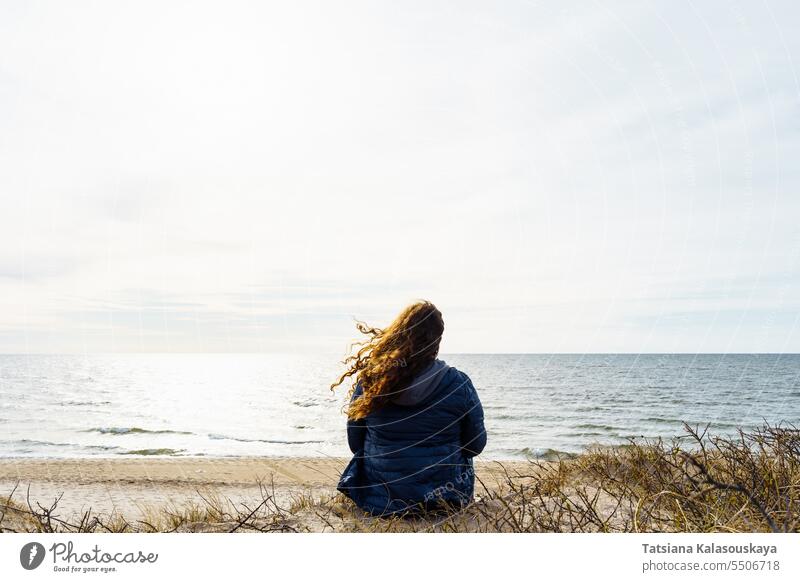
x=130 y=486
x=747 y=484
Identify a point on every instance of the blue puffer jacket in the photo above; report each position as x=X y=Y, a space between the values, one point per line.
x=417 y=450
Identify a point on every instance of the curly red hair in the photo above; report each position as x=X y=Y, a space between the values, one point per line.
x=389 y=358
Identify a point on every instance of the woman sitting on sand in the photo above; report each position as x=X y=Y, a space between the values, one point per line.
x=414 y=423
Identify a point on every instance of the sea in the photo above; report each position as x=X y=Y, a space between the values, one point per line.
x=536 y=405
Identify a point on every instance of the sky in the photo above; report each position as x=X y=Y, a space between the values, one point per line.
x=253 y=176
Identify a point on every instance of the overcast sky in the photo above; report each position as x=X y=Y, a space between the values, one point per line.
x=556 y=177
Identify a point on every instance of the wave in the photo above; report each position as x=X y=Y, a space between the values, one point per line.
x=86 y=403
x=151 y=452
x=592 y=426
x=52 y=444
x=115 y=430
x=222 y=437
x=546 y=454
x=582 y=434
x=660 y=420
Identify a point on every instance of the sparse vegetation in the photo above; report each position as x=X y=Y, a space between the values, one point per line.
x=694 y=483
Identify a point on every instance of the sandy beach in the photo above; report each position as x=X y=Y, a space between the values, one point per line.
x=132 y=486
x=652 y=486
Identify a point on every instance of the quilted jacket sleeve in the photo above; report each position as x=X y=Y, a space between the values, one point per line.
x=473 y=433
x=356 y=429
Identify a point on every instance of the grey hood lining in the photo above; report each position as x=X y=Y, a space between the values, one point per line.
x=423 y=385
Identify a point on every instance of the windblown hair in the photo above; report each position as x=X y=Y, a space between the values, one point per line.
x=389 y=358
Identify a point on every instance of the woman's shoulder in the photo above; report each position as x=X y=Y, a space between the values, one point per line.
x=456 y=378
x=458 y=385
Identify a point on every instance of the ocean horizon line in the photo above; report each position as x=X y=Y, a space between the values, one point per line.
x=278 y=353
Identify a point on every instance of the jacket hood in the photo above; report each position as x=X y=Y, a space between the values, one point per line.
x=423 y=385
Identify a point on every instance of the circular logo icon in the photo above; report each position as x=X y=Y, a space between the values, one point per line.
x=31 y=555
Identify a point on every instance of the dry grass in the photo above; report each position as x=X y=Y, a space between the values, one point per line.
x=695 y=483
